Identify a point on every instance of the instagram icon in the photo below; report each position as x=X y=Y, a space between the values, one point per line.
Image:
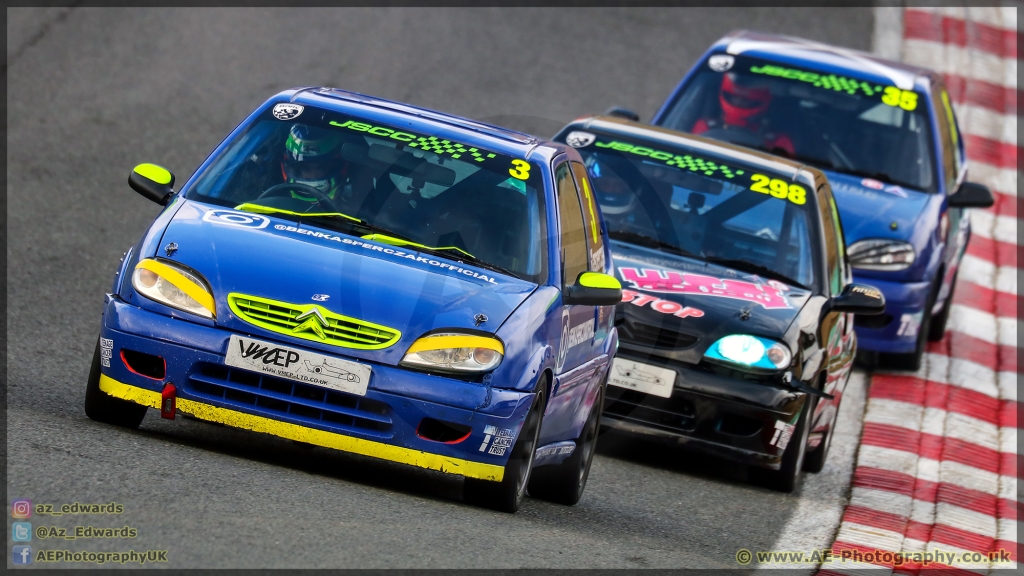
x=21 y=509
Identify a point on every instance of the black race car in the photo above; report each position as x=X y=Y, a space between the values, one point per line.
x=736 y=328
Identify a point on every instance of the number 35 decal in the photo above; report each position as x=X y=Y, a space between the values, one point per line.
x=795 y=193
x=905 y=99
x=520 y=169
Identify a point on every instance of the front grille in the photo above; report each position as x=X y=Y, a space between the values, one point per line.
x=328 y=408
x=874 y=322
x=340 y=330
x=655 y=336
x=672 y=414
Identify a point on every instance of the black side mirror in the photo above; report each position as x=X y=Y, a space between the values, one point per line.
x=593 y=289
x=622 y=113
x=859 y=299
x=153 y=182
x=971 y=195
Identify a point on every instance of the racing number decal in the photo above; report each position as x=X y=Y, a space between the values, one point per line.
x=520 y=170
x=905 y=99
x=778 y=188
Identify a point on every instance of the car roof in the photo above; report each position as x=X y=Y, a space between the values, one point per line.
x=749 y=156
x=464 y=130
x=778 y=47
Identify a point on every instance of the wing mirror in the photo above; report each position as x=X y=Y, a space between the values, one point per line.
x=622 y=113
x=971 y=195
x=593 y=289
x=153 y=182
x=859 y=299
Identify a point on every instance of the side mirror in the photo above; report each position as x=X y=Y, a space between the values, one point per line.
x=622 y=113
x=971 y=195
x=153 y=182
x=593 y=289
x=859 y=299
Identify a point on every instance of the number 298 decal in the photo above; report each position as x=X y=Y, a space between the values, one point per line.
x=778 y=188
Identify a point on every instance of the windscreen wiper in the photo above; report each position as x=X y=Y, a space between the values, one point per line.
x=745 y=266
x=650 y=242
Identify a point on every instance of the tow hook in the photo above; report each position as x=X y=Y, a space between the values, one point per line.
x=168 y=405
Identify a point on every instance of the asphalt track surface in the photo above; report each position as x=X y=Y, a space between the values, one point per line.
x=93 y=92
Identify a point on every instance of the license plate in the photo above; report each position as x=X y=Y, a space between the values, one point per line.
x=298 y=365
x=642 y=377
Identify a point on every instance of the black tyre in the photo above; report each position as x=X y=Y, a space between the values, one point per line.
x=507 y=495
x=937 y=330
x=814 y=461
x=784 y=479
x=101 y=407
x=564 y=483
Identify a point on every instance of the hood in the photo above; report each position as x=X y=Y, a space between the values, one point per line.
x=677 y=307
x=868 y=207
x=276 y=258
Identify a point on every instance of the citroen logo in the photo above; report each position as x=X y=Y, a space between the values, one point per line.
x=312 y=320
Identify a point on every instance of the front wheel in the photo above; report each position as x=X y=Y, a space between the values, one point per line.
x=564 y=483
x=104 y=408
x=784 y=479
x=912 y=360
x=507 y=495
x=814 y=461
x=937 y=330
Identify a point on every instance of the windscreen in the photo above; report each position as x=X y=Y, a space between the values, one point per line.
x=337 y=171
x=833 y=122
x=680 y=202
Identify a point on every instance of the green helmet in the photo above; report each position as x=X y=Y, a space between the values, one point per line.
x=312 y=157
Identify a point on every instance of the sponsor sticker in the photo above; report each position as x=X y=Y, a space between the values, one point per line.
x=231 y=218
x=106 y=351
x=659 y=305
x=872 y=183
x=580 y=139
x=783 y=433
x=572 y=336
x=721 y=62
x=666 y=281
x=644 y=378
x=910 y=324
x=286 y=111
x=298 y=365
x=499 y=439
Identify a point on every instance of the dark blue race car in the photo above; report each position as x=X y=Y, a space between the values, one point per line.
x=376 y=278
x=886 y=136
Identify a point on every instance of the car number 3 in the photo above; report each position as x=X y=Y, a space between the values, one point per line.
x=520 y=169
x=777 y=188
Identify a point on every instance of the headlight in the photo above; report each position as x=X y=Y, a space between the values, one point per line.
x=174 y=285
x=745 y=351
x=888 y=255
x=455 y=353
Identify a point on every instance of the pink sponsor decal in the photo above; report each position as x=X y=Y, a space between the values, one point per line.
x=872 y=183
x=769 y=296
x=659 y=305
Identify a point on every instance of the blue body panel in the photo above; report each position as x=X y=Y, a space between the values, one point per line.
x=920 y=218
x=410 y=291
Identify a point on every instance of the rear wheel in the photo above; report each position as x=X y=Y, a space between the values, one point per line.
x=784 y=479
x=564 y=483
x=104 y=408
x=507 y=495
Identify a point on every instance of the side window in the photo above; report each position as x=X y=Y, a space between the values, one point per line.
x=844 y=262
x=947 y=135
x=591 y=224
x=834 y=250
x=574 y=242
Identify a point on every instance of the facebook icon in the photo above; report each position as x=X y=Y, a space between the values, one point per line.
x=22 y=555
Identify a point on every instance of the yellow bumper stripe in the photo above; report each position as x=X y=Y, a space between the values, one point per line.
x=333 y=440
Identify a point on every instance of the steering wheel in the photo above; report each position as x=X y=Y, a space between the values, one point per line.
x=321 y=196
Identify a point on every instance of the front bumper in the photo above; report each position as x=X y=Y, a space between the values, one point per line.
x=385 y=423
x=896 y=329
x=706 y=412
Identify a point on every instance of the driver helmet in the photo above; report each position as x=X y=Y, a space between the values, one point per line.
x=613 y=194
x=742 y=99
x=312 y=157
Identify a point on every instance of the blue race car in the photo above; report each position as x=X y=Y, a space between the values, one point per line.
x=886 y=136
x=368 y=276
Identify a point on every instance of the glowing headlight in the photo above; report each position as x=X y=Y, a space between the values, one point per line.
x=174 y=285
x=750 y=351
x=455 y=353
x=886 y=255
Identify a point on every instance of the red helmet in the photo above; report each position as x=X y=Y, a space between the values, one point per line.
x=742 y=100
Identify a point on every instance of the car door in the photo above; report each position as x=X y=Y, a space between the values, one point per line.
x=953 y=226
x=837 y=334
